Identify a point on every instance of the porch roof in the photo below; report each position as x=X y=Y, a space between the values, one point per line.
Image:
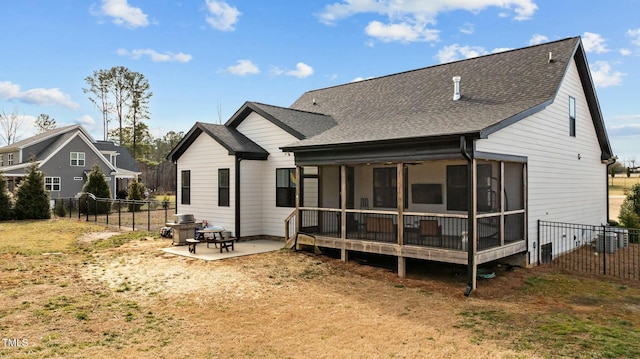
x=497 y=90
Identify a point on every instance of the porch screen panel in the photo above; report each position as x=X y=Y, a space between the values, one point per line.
x=513 y=186
x=457 y=188
x=385 y=187
x=489 y=187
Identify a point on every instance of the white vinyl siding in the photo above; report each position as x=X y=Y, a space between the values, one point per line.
x=203 y=158
x=566 y=178
x=251 y=209
x=271 y=138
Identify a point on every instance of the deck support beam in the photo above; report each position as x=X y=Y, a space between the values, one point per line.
x=402 y=268
x=343 y=216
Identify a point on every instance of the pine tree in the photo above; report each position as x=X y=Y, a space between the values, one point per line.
x=32 y=200
x=6 y=211
x=97 y=185
x=136 y=189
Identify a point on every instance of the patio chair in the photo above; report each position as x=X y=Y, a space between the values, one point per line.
x=430 y=231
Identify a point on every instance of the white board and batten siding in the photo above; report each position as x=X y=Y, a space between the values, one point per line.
x=263 y=177
x=203 y=158
x=566 y=178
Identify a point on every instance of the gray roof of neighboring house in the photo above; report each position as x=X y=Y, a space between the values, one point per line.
x=231 y=139
x=496 y=89
x=300 y=124
x=40 y=137
x=124 y=159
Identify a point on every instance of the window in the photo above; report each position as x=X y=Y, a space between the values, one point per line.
x=223 y=187
x=52 y=183
x=10 y=159
x=285 y=187
x=1 y=159
x=186 y=187
x=385 y=187
x=77 y=159
x=572 y=116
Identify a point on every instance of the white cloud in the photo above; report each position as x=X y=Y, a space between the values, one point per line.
x=604 y=76
x=625 y=52
x=39 y=96
x=222 y=16
x=468 y=28
x=634 y=34
x=86 y=120
x=456 y=52
x=625 y=118
x=123 y=14
x=244 y=67
x=402 y=32
x=360 y=78
x=420 y=10
x=302 y=70
x=501 y=49
x=154 y=55
x=538 y=39
x=593 y=43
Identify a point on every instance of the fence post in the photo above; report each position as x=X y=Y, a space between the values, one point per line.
x=108 y=211
x=86 y=205
x=119 y=212
x=133 y=215
x=604 y=250
x=148 y=215
x=95 y=215
x=537 y=244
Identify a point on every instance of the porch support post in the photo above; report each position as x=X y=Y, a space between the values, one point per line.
x=473 y=224
x=472 y=212
x=402 y=261
x=298 y=185
x=343 y=214
x=502 y=203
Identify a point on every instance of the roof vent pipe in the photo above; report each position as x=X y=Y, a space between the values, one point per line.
x=551 y=57
x=456 y=88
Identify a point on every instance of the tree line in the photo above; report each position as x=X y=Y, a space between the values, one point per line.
x=122 y=96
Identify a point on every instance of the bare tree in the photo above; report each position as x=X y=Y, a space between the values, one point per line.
x=99 y=87
x=45 y=123
x=9 y=126
x=121 y=95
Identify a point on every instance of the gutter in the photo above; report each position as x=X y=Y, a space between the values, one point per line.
x=610 y=163
x=470 y=218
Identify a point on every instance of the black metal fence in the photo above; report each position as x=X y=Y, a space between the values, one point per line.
x=601 y=250
x=147 y=215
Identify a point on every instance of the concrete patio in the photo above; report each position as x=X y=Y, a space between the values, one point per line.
x=242 y=248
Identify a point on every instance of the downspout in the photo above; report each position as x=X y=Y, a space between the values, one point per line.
x=470 y=217
x=610 y=163
x=237 y=190
x=175 y=198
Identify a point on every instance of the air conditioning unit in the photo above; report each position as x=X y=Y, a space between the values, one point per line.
x=607 y=242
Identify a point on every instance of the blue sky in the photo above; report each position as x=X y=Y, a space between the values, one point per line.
x=205 y=58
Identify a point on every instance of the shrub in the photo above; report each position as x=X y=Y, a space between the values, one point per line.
x=6 y=210
x=32 y=200
x=59 y=209
x=97 y=185
x=630 y=209
x=136 y=189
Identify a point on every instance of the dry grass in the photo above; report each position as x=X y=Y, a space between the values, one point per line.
x=122 y=297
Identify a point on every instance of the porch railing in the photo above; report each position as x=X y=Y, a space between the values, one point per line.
x=438 y=230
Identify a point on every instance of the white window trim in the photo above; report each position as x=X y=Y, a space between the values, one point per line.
x=10 y=159
x=77 y=159
x=50 y=184
x=1 y=159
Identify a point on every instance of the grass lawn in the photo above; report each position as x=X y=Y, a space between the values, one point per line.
x=621 y=183
x=69 y=290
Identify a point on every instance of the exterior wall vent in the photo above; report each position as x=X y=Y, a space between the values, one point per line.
x=456 y=88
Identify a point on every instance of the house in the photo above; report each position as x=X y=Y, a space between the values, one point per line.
x=453 y=163
x=66 y=155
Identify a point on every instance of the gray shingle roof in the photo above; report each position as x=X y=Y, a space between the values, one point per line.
x=232 y=139
x=39 y=137
x=419 y=103
x=124 y=160
x=301 y=124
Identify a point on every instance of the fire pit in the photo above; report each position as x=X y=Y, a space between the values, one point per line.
x=184 y=227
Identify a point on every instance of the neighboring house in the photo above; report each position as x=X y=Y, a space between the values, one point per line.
x=66 y=155
x=454 y=163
